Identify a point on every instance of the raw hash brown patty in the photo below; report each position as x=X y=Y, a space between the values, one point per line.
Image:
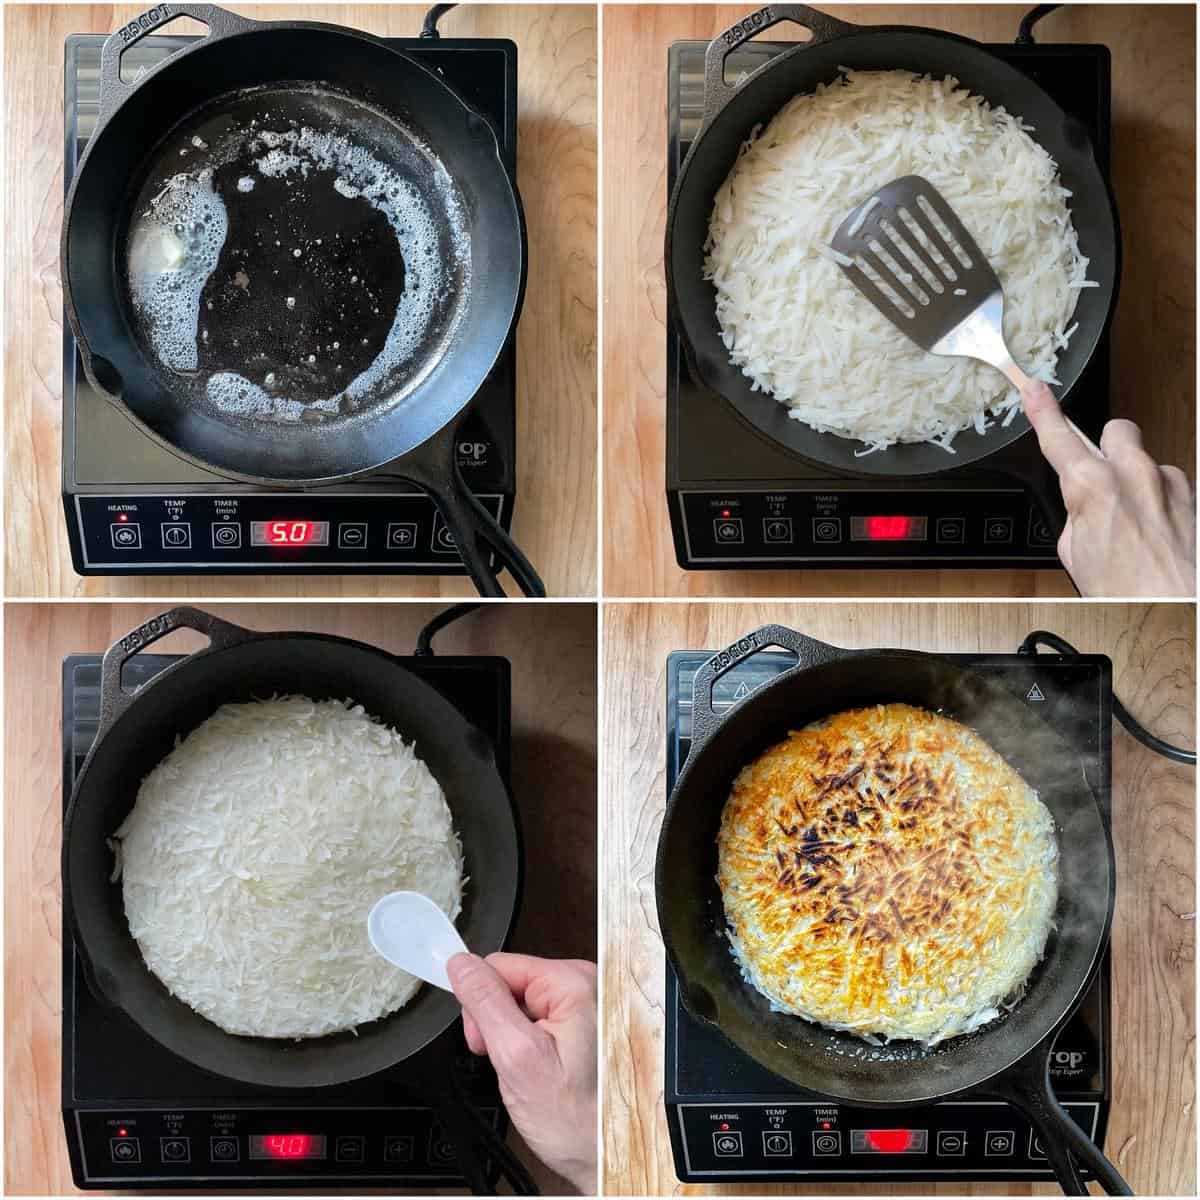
x=885 y=871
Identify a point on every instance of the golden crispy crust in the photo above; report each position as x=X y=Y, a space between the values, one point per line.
x=885 y=871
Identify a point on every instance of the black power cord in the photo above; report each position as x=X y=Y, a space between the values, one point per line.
x=429 y=27
x=1030 y=19
x=424 y=647
x=1040 y=637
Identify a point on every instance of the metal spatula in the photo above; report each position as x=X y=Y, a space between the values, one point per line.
x=909 y=254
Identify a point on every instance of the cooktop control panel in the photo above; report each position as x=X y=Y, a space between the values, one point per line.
x=180 y=533
x=780 y=1139
x=861 y=524
x=249 y=1147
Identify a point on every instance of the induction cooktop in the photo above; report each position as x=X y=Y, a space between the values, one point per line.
x=134 y=508
x=732 y=1121
x=137 y=1116
x=739 y=500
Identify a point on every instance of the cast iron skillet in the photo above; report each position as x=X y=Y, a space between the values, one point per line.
x=1009 y=1058
x=416 y=434
x=730 y=112
x=137 y=731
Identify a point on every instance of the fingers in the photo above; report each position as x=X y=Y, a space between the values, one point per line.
x=1059 y=442
x=475 y=1042
x=1120 y=436
x=486 y=999
x=540 y=984
x=1177 y=487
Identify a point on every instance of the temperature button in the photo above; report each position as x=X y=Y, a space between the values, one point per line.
x=777 y=529
x=177 y=535
x=777 y=1142
x=125 y=1149
x=175 y=1149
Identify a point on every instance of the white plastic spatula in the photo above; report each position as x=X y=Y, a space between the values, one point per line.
x=412 y=933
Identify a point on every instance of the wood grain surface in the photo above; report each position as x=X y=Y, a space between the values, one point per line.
x=1153 y=344
x=1151 y=1132
x=555 y=520
x=552 y=649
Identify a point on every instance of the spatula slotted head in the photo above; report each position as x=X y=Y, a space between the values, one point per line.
x=914 y=260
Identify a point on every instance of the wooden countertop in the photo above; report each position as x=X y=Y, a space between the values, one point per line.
x=1154 y=347
x=1151 y=1134
x=556 y=344
x=553 y=654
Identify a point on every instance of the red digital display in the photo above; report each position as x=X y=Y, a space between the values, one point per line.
x=289 y=533
x=889 y=1141
x=889 y=528
x=287 y=1145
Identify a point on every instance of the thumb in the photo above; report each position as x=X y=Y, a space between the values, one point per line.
x=485 y=998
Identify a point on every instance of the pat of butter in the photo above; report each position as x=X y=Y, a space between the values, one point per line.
x=172 y=251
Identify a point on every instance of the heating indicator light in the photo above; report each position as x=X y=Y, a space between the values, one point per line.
x=287 y=1145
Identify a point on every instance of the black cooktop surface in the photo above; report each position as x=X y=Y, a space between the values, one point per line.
x=138 y=1116
x=177 y=518
x=738 y=499
x=730 y=1118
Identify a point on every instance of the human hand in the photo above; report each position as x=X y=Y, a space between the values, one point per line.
x=535 y=1019
x=1131 y=524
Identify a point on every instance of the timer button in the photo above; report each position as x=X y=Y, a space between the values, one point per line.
x=224 y=1149
x=125 y=1149
x=352 y=535
x=827 y=1142
x=827 y=529
x=226 y=535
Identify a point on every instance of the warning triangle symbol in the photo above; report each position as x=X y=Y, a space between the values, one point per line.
x=742 y=692
x=1035 y=694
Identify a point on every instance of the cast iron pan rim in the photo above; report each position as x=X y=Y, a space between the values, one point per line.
x=684 y=336
x=95 y=143
x=847 y=1095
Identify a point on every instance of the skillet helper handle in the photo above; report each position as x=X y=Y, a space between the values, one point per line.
x=822 y=27
x=220 y=22
x=809 y=652
x=114 y=699
x=1027 y=1085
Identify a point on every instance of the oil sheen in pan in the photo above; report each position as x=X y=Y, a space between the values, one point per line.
x=295 y=255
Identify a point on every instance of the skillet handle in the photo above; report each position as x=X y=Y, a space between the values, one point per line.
x=114 y=700
x=474 y=529
x=822 y=27
x=809 y=653
x=1027 y=1086
x=220 y=22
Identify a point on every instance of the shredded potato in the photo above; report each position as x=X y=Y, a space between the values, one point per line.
x=798 y=328
x=257 y=847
